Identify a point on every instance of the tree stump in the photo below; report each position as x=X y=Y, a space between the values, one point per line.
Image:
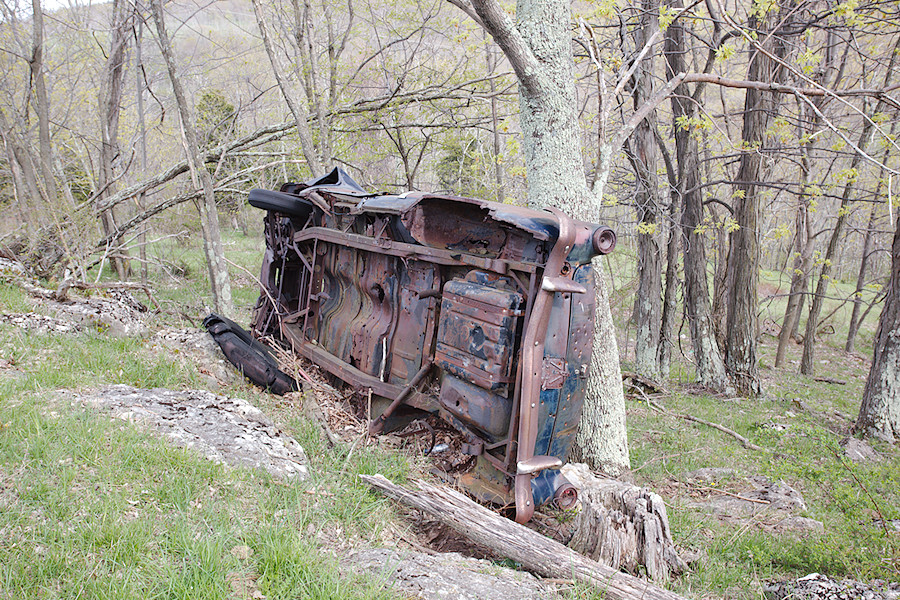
x=535 y=552
x=622 y=526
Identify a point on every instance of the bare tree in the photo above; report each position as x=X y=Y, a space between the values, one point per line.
x=110 y=104
x=743 y=258
x=641 y=150
x=707 y=356
x=209 y=217
x=299 y=112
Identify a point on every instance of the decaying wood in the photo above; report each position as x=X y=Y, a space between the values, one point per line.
x=622 y=526
x=538 y=554
x=642 y=384
x=118 y=285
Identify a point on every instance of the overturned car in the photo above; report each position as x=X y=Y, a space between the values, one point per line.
x=478 y=312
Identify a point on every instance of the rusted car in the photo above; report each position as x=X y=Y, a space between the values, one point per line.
x=475 y=311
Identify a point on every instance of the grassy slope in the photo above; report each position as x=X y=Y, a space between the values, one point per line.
x=94 y=508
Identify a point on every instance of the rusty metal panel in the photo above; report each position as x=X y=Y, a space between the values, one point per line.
x=415 y=330
x=474 y=311
x=476 y=407
x=475 y=335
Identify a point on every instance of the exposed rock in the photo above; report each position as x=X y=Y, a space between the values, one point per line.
x=226 y=430
x=449 y=575
x=800 y=525
x=11 y=269
x=819 y=587
x=859 y=451
x=116 y=313
x=197 y=349
x=761 y=495
x=780 y=495
x=113 y=311
x=710 y=474
x=36 y=323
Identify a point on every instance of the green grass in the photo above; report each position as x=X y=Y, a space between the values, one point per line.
x=92 y=507
x=95 y=508
x=849 y=499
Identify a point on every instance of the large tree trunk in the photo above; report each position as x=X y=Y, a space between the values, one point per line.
x=743 y=258
x=209 y=216
x=707 y=357
x=538 y=47
x=879 y=413
x=641 y=150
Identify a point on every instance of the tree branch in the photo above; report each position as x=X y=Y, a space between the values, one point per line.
x=496 y=22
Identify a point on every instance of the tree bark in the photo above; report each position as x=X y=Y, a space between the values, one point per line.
x=209 y=217
x=642 y=153
x=879 y=412
x=535 y=552
x=743 y=257
x=670 y=300
x=109 y=102
x=539 y=49
x=707 y=356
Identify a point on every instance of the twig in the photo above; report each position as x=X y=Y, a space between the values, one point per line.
x=738 y=496
x=744 y=441
x=830 y=380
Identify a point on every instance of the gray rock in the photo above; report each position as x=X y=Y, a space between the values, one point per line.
x=36 y=323
x=780 y=495
x=449 y=575
x=819 y=587
x=710 y=474
x=859 y=451
x=226 y=430
x=197 y=349
x=117 y=314
x=763 y=495
x=801 y=525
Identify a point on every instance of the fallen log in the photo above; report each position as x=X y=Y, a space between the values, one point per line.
x=535 y=552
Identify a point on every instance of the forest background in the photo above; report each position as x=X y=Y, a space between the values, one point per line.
x=753 y=197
